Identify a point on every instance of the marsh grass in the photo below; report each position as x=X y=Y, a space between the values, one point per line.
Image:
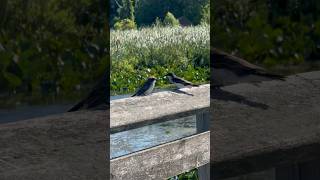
x=155 y=51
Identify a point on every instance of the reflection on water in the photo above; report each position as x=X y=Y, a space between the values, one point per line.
x=126 y=142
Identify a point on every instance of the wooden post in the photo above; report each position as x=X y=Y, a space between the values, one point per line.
x=203 y=122
x=204 y=172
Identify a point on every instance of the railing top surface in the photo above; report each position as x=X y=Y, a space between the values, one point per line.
x=55 y=147
x=158 y=106
x=270 y=123
x=245 y=130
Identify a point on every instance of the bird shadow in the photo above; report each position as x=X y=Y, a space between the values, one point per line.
x=219 y=94
x=181 y=92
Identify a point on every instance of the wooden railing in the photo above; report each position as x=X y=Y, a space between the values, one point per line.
x=273 y=125
x=63 y=146
x=171 y=158
x=270 y=126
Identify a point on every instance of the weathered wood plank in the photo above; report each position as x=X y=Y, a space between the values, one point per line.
x=274 y=123
x=163 y=161
x=65 y=146
x=70 y=145
x=140 y=111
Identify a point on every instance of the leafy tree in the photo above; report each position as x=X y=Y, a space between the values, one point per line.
x=148 y=10
x=125 y=9
x=205 y=14
x=192 y=9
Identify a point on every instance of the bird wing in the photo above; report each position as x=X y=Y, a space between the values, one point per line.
x=222 y=60
x=142 y=89
x=100 y=93
x=98 y=96
x=227 y=61
x=182 y=81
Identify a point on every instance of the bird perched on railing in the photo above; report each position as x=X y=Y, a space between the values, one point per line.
x=179 y=82
x=98 y=98
x=146 y=88
x=227 y=69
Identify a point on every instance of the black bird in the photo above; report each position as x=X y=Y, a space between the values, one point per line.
x=228 y=69
x=146 y=88
x=98 y=98
x=179 y=82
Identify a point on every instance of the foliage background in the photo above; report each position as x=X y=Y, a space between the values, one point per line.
x=46 y=46
x=283 y=35
x=146 y=11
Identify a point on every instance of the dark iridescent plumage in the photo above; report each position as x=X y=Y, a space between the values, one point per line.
x=179 y=82
x=146 y=88
x=97 y=98
x=227 y=69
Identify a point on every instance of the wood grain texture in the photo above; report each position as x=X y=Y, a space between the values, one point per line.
x=64 y=146
x=163 y=161
x=158 y=107
x=245 y=138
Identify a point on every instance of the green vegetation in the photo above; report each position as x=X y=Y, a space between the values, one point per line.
x=137 y=54
x=170 y=20
x=205 y=14
x=46 y=46
x=57 y=49
x=275 y=34
x=147 y=11
x=154 y=51
x=164 y=47
x=191 y=175
x=125 y=24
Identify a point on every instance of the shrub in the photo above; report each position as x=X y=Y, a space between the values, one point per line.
x=125 y=24
x=170 y=20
